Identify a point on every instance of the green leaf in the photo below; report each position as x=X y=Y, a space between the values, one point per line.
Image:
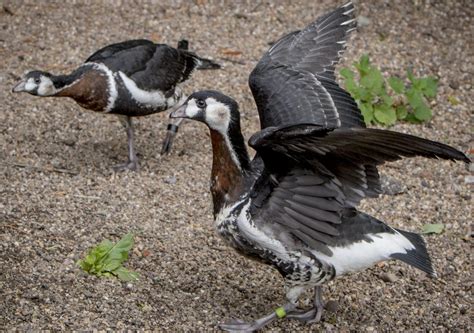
x=432 y=228
x=385 y=115
x=387 y=100
x=367 y=112
x=414 y=97
x=396 y=84
x=120 y=249
x=124 y=274
x=412 y=119
x=423 y=113
x=94 y=256
x=351 y=86
x=364 y=95
x=363 y=66
x=402 y=112
x=373 y=80
x=429 y=86
x=107 y=258
x=346 y=73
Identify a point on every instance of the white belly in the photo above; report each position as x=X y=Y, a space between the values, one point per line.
x=361 y=255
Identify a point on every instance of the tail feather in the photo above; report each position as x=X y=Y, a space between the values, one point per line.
x=417 y=257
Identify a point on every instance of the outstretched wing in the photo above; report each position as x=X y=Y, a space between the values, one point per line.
x=151 y=66
x=371 y=145
x=350 y=154
x=294 y=81
x=314 y=178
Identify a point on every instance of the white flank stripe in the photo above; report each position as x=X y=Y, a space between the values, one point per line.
x=249 y=231
x=361 y=255
x=113 y=93
x=148 y=98
x=258 y=237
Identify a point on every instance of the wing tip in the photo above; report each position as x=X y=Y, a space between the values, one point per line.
x=348 y=10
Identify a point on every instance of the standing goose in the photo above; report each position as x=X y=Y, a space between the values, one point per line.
x=130 y=79
x=294 y=205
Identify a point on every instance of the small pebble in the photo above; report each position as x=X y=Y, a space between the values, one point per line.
x=363 y=21
x=454 y=85
x=469 y=180
x=170 y=180
x=332 y=306
x=388 y=277
x=391 y=186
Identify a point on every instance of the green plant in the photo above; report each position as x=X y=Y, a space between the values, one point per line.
x=405 y=102
x=436 y=228
x=106 y=259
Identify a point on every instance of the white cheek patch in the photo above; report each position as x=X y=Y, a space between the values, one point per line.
x=191 y=109
x=217 y=115
x=30 y=85
x=46 y=87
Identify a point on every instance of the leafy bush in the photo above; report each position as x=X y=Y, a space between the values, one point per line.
x=106 y=259
x=406 y=102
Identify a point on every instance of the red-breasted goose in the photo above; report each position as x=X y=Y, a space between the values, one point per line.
x=294 y=205
x=129 y=79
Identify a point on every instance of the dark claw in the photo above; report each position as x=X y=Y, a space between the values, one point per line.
x=132 y=166
x=237 y=325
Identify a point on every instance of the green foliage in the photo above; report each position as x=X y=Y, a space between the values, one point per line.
x=432 y=228
x=405 y=102
x=106 y=259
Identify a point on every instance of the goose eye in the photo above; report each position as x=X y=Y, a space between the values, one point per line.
x=37 y=80
x=201 y=103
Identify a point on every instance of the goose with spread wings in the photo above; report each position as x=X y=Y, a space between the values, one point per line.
x=294 y=206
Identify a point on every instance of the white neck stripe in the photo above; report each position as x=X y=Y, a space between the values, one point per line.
x=112 y=85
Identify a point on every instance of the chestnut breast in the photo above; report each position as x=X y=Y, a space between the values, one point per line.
x=226 y=177
x=91 y=90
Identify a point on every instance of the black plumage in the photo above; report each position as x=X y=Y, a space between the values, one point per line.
x=129 y=79
x=294 y=81
x=294 y=205
x=151 y=66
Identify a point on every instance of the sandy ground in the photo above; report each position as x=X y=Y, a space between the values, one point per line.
x=59 y=195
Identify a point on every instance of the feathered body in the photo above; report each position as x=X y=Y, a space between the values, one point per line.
x=128 y=79
x=294 y=206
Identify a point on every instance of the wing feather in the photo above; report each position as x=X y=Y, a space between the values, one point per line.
x=294 y=81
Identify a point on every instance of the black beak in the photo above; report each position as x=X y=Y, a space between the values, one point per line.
x=180 y=112
x=19 y=87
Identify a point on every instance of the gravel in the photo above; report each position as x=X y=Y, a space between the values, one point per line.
x=59 y=196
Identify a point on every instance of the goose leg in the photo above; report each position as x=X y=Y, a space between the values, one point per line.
x=314 y=314
x=238 y=325
x=287 y=310
x=132 y=163
x=170 y=134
